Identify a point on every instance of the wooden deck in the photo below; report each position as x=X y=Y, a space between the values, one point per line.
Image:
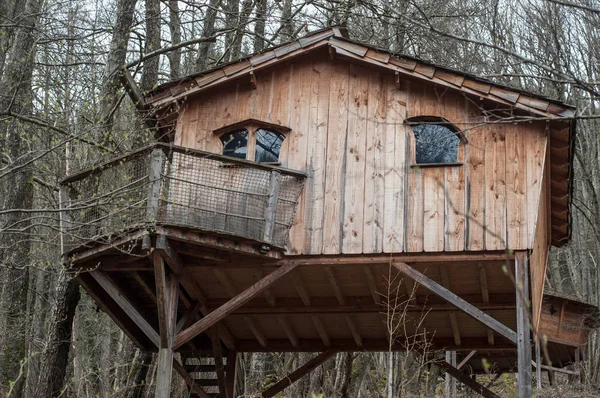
x=341 y=302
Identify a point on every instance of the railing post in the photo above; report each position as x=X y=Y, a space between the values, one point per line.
x=271 y=206
x=157 y=161
x=63 y=204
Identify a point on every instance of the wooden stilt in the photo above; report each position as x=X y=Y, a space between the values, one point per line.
x=167 y=292
x=297 y=374
x=523 y=326
x=538 y=367
x=450 y=390
x=231 y=373
x=218 y=355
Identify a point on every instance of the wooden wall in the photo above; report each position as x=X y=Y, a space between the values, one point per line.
x=362 y=195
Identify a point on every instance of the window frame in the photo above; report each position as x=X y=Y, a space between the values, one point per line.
x=252 y=126
x=420 y=120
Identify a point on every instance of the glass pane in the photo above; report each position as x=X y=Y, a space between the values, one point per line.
x=268 y=145
x=235 y=143
x=435 y=143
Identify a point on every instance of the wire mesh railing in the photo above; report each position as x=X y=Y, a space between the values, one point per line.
x=169 y=185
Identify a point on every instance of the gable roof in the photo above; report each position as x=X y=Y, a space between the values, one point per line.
x=166 y=99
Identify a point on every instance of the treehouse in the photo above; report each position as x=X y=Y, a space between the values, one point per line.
x=326 y=196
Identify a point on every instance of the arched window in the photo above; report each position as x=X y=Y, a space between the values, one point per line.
x=235 y=143
x=253 y=140
x=437 y=141
x=268 y=145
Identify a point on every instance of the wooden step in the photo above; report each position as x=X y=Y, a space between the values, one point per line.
x=200 y=368
x=206 y=382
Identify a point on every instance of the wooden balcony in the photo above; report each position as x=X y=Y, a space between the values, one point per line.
x=169 y=186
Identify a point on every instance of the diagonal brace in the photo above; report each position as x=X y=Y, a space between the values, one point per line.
x=466 y=380
x=298 y=373
x=233 y=304
x=457 y=301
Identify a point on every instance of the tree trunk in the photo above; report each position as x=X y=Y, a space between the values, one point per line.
x=115 y=60
x=150 y=71
x=58 y=343
x=208 y=30
x=16 y=192
x=259 y=26
x=175 y=29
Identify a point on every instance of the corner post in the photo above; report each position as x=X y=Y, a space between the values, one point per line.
x=271 y=206
x=64 y=204
x=157 y=161
x=523 y=325
x=450 y=390
x=167 y=289
x=538 y=365
x=231 y=373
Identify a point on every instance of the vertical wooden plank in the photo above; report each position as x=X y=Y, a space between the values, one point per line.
x=476 y=184
x=200 y=134
x=336 y=143
x=263 y=98
x=495 y=181
x=433 y=209
x=298 y=146
x=414 y=204
x=535 y=152
x=317 y=155
x=282 y=88
x=516 y=187
x=231 y=373
x=395 y=167
x=454 y=186
x=374 y=167
x=354 y=194
x=456 y=210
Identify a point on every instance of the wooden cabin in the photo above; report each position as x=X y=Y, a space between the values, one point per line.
x=317 y=195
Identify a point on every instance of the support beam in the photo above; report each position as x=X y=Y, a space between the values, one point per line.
x=114 y=292
x=538 y=361
x=241 y=299
x=457 y=301
x=218 y=356
x=231 y=373
x=485 y=296
x=167 y=294
x=467 y=381
x=297 y=374
x=169 y=254
x=466 y=359
x=523 y=325
x=105 y=302
x=370 y=280
x=337 y=291
x=232 y=292
x=450 y=388
x=321 y=330
x=451 y=315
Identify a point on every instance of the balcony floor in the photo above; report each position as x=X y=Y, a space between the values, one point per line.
x=335 y=302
